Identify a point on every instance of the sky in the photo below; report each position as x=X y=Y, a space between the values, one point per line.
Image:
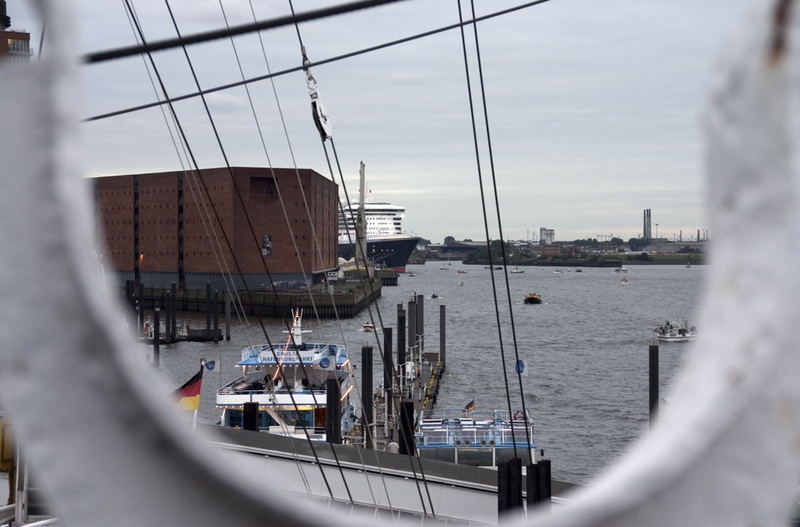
x=595 y=107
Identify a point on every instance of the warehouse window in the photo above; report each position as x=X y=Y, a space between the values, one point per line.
x=263 y=187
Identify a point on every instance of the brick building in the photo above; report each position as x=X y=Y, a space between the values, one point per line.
x=156 y=227
x=14 y=45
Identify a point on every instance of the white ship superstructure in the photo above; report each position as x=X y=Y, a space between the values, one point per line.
x=381 y=219
x=387 y=244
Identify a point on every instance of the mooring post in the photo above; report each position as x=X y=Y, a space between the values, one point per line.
x=407 y=428
x=420 y=326
x=216 y=317
x=539 y=484
x=140 y=311
x=366 y=395
x=173 y=307
x=156 y=336
x=388 y=371
x=208 y=310
x=653 y=381
x=250 y=416
x=443 y=335
x=401 y=346
x=165 y=302
x=333 y=417
x=227 y=315
x=509 y=485
x=411 y=355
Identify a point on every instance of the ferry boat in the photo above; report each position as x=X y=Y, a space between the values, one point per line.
x=474 y=438
x=272 y=376
x=387 y=244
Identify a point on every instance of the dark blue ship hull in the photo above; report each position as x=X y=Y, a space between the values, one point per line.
x=392 y=251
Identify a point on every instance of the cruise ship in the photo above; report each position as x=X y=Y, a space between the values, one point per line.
x=387 y=244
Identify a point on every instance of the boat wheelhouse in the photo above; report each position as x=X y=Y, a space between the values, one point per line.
x=290 y=384
x=474 y=438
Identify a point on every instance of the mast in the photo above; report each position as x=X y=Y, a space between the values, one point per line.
x=361 y=242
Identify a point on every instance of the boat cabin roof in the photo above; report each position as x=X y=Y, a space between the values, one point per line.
x=309 y=354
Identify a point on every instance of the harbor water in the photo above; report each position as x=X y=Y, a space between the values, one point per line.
x=586 y=347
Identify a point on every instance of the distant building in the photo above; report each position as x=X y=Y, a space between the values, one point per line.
x=647 y=231
x=156 y=228
x=546 y=236
x=14 y=45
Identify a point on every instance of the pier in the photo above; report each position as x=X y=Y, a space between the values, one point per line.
x=348 y=298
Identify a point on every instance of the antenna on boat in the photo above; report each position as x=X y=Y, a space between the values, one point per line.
x=297 y=328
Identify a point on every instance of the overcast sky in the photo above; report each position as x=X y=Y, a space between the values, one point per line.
x=595 y=107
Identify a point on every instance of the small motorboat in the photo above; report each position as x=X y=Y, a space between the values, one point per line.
x=620 y=270
x=532 y=298
x=673 y=332
x=517 y=270
x=461 y=271
x=624 y=281
x=578 y=270
x=434 y=295
x=412 y=275
x=368 y=326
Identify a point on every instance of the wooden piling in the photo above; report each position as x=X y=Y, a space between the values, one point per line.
x=156 y=337
x=653 y=381
x=367 y=419
x=539 y=484
x=165 y=302
x=443 y=336
x=333 y=417
x=388 y=370
x=173 y=307
x=215 y=308
x=420 y=325
x=250 y=416
x=208 y=309
x=509 y=485
x=407 y=428
x=227 y=315
x=140 y=310
x=401 y=342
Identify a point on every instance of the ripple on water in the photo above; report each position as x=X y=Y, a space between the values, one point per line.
x=586 y=348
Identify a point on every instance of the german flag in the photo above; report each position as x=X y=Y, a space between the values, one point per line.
x=470 y=406
x=189 y=394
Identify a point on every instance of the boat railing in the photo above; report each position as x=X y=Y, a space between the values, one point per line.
x=229 y=390
x=473 y=431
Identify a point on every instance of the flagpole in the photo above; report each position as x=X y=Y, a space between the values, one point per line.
x=199 y=395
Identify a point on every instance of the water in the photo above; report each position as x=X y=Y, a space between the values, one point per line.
x=586 y=347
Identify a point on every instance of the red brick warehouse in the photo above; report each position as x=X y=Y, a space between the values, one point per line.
x=155 y=227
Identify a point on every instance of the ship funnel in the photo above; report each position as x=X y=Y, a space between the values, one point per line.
x=5 y=20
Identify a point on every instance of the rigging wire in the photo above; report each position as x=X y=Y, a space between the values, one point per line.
x=227 y=240
x=314 y=63
x=369 y=281
x=285 y=213
x=397 y=409
x=181 y=41
x=211 y=234
x=253 y=234
x=368 y=431
x=502 y=241
x=486 y=226
x=206 y=219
